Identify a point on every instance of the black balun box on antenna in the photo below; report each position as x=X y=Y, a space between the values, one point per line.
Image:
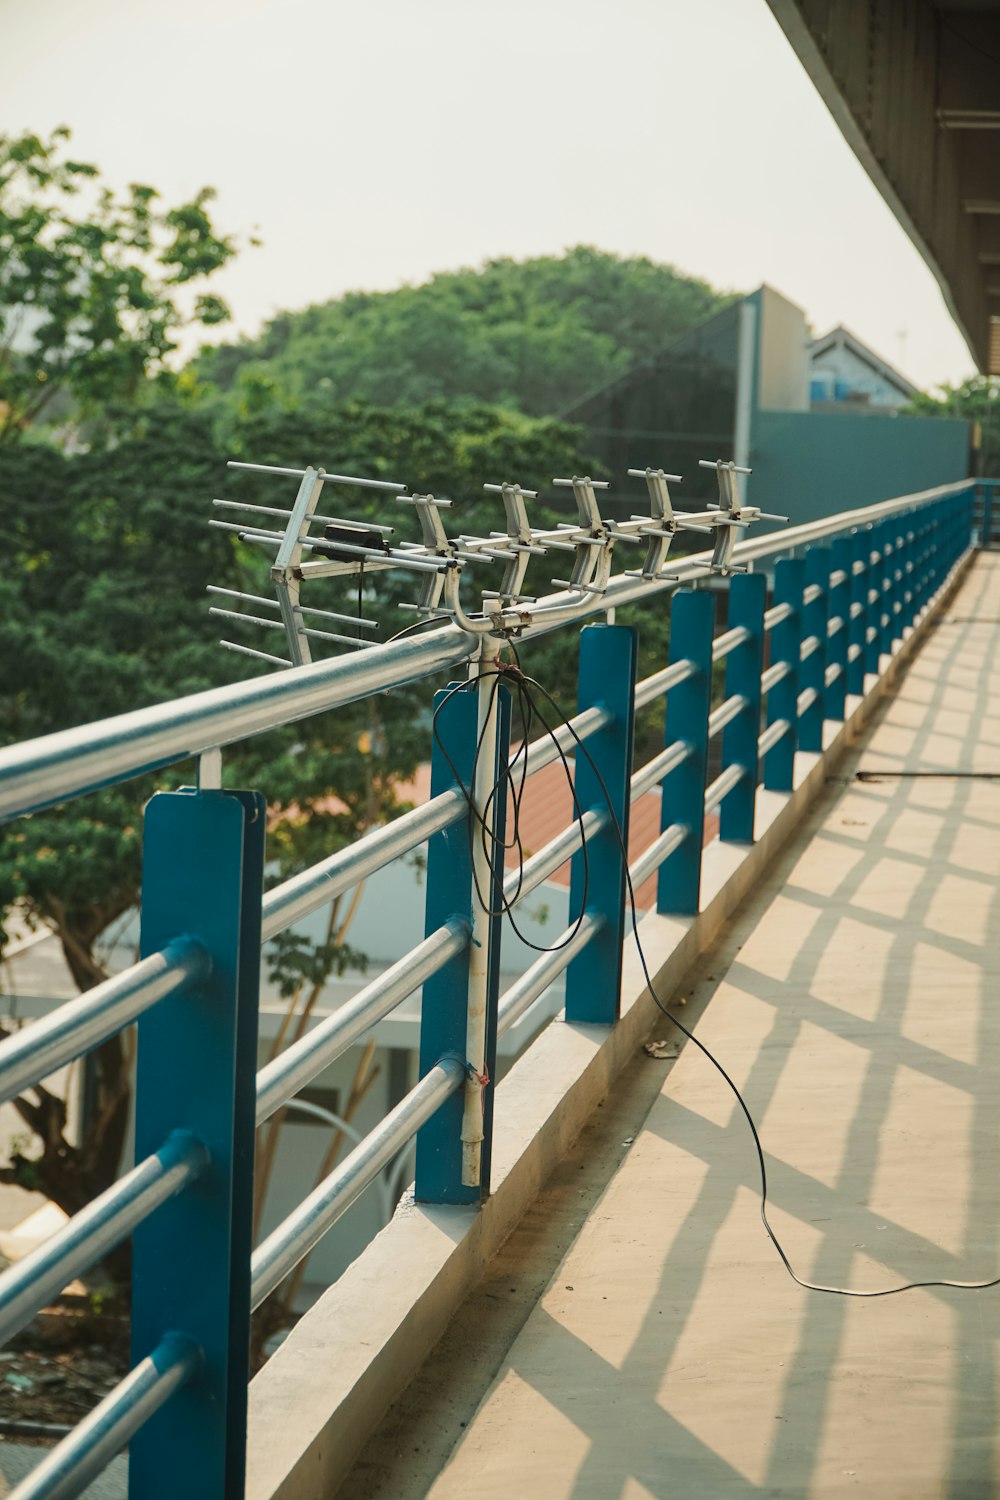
x=349 y=536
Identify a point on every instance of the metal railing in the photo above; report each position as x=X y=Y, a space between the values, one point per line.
x=836 y=614
x=986 y=512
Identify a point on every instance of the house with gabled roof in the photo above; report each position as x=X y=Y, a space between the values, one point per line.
x=843 y=369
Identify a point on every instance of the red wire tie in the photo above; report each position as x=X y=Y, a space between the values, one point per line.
x=482 y=1079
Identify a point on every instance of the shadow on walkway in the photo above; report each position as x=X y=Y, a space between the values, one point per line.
x=855 y=1003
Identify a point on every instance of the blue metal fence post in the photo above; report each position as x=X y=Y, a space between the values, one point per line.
x=450 y=894
x=783 y=699
x=196 y=1069
x=889 y=582
x=898 y=594
x=932 y=544
x=916 y=546
x=874 y=601
x=946 y=542
x=986 y=537
x=747 y=596
x=608 y=656
x=932 y=552
x=919 y=576
x=860 y=552
x=907 y=563
x=896 y=580
x=937 y=548
x=842 y=559
x=692 y=622
x=940 y=545
x=922 y=556
x=883 y=532
x=814 y=623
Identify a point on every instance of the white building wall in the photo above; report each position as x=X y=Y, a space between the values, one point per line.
x=783 y=369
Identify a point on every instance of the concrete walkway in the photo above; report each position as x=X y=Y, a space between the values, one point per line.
x=858 y=1007
x=18 y=1459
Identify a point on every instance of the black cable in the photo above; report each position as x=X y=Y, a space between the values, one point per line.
x=479 y=822
x=526 y=686
x=413 y=625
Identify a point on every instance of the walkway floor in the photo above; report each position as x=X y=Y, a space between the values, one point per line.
x=671 y=1355
x=18 y=1459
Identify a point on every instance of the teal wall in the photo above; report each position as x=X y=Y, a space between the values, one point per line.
x=807 y=465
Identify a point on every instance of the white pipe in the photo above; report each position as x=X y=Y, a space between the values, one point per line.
x=746 y=349
x=487 y=723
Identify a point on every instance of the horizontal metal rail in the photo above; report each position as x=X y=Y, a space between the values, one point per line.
x=71 y=762
x=552 y=856
x=546 y=969
x=74 y=762
x=771 y=735
x=40 y=772
x=628 y=590
x=296 y=898
x=305 y=1226
x=321 y=883
x=68 y=1469
x=774 y=675
x=658 y=683
x=660 y=849
x=777 y=615
x=299 y=1064
x=653 y=772
x=726 y=712
x=79 y=1025
x=718 y=790
x=289 y=902
x=92 y=1233
x=728 y=641
x=545 y=749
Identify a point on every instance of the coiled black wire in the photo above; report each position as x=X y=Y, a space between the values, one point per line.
x=529 y=691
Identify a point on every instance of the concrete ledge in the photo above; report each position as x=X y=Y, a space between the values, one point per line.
x=315 y=1403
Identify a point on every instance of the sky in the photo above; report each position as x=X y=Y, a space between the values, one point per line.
x=371 y=144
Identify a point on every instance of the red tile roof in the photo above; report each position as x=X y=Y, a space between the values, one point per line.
x=546 y=809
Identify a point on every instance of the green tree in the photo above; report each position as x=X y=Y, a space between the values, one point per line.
x=536 y=335
x=91 y=282
x=100 y=611
x=977 y=400
x=103 y=609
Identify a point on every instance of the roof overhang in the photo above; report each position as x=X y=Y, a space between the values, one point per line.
x=912 y=84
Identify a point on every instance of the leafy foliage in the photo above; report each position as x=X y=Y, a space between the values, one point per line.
x=976 y=399
x=102 y=604
x=103 y=609
x=537 y=335
x=89 y=281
